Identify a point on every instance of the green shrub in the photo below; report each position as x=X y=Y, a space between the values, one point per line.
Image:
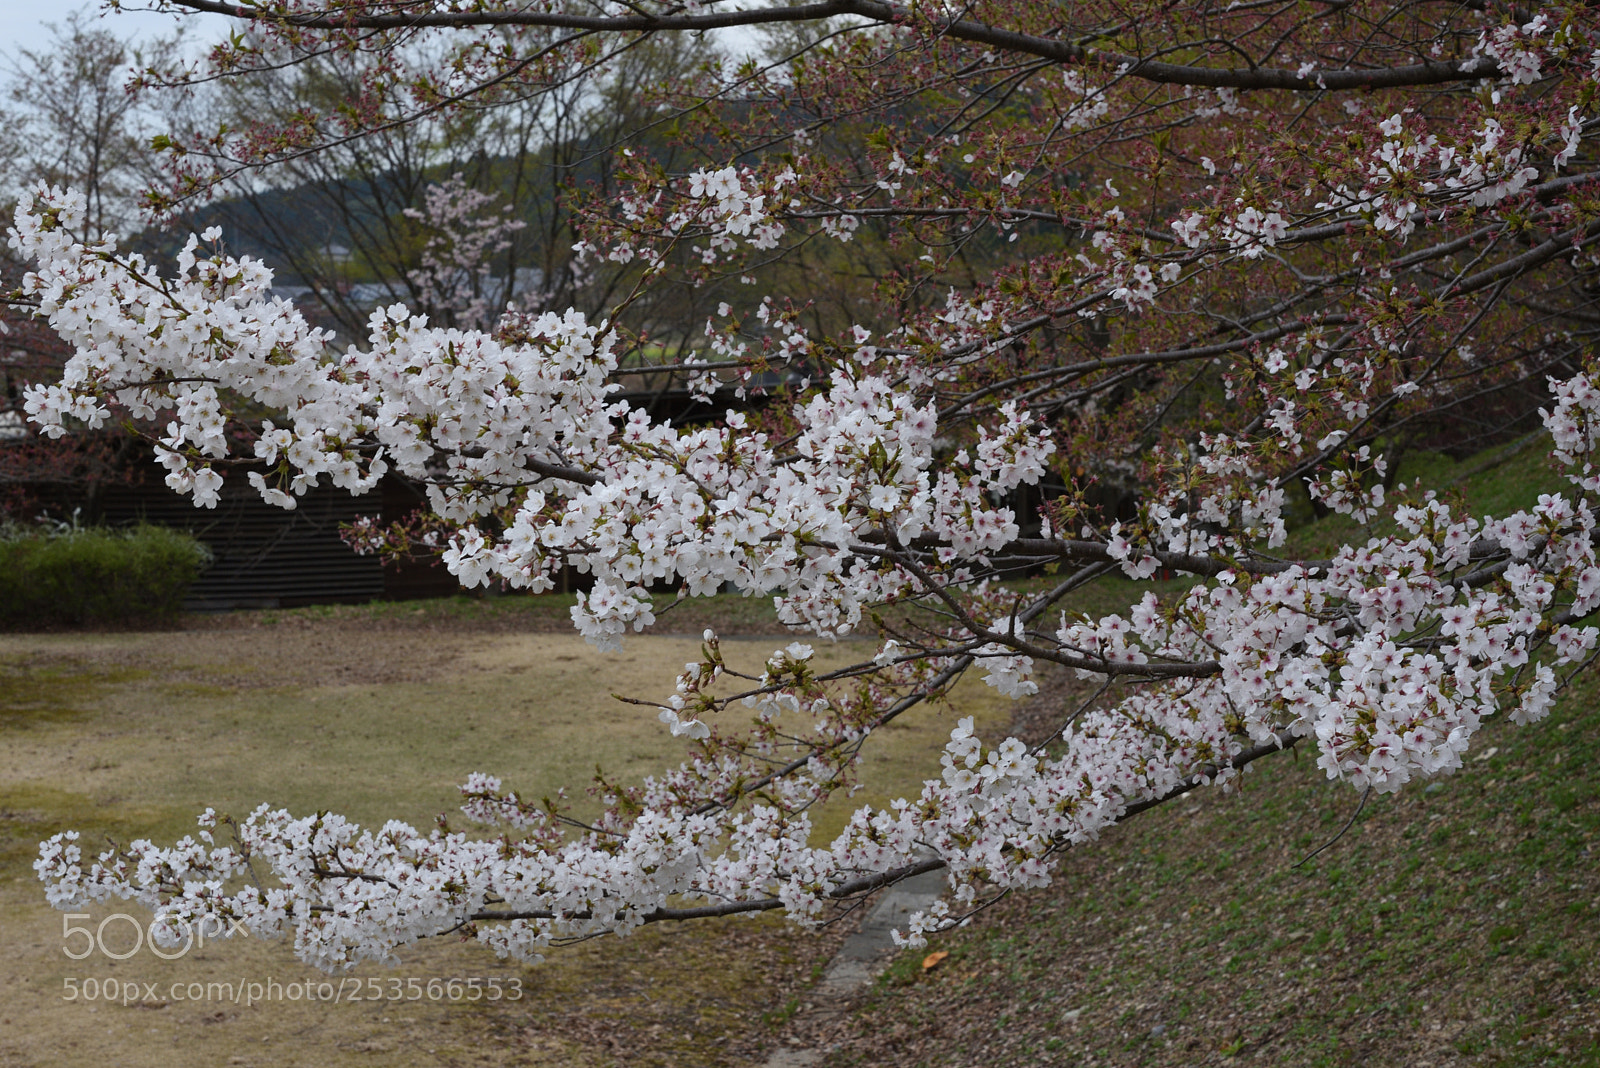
x=95 y=576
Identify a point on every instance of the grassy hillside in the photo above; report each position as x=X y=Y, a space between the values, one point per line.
x=1457 y=923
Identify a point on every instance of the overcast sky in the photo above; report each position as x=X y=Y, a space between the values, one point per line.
x=22 y=22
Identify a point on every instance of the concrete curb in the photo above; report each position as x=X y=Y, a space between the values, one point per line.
x=863 y=956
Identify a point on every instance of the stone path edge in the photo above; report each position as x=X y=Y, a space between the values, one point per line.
x=864 y=955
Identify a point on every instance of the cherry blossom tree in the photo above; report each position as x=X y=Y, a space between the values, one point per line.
x=465 y=230
x=1233 y=258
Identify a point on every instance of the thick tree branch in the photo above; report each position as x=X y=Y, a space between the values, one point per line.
x=1433 y=72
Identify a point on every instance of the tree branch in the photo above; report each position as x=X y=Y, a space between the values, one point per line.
x=1441 y=72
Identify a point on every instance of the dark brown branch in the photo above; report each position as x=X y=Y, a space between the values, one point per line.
x=1441 y=72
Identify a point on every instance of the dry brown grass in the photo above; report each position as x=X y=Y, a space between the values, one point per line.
x=131 y=734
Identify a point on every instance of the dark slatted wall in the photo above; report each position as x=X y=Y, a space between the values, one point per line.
x=265 y=557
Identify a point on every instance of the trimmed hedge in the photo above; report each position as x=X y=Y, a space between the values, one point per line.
x=95 y=576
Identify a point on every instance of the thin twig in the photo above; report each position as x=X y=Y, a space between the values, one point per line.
x=1348 y=824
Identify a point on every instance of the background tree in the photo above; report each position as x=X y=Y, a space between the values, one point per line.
x=1103 y=252
x=346 y=221
x=68 y=119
